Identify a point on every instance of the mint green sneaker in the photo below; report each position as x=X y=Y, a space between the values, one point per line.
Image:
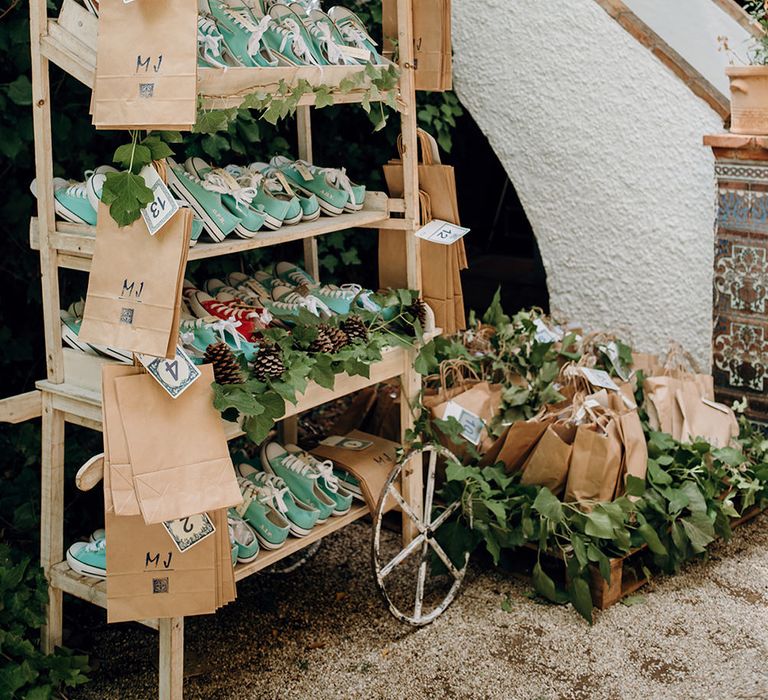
x=337 y=298
x=310 y=207
x=289 y=39
x=94 y=183
x=355 y=34
x=70 y=200
x=278 y=209
x=247 y=285
x=237 y=197
x=242 y=34
x=301 y=516
x=286 y=301
x=71 y=321
x=300 y=477
x=271 y=527
x=327 y=481
x=242 y=534
x=327 y=40
x=332 y=187
x=210 y=44
x=351 y=483
x=219 y=222
x=89 y=558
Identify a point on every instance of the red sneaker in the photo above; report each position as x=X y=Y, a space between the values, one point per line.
x=248 y=319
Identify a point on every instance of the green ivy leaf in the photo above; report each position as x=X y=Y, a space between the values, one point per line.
x=652 y=540
x=543 y=584
x=126 y=194
x=158 y=149
x=549 y=506
x=20 y=91
x=128 y=156
x=581 y=597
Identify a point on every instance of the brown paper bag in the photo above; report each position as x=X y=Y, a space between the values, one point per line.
x=134 y=289
x=517 y=443
x=433 y=52
x=179 y=453
x=440 y=265
x=547 y=465
x=146 y=65
x=595 y=461
x=119 y=494
x=147 y=576
x=715 y=422
x=371 y=466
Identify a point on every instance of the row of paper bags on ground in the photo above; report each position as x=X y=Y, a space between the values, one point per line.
x=168 y=481
x=584 y=448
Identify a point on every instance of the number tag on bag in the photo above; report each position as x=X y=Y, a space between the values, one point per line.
x=175 y=375
x=187 y=532
x=443 y=232
x=160 y=210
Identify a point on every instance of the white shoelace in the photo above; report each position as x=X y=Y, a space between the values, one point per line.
x=298 y=465
x=78 y=189
x=298 y=277
x=257 y=34
x=324 y=470
x=338 y=178
x=343 y=292
x=312 y=304
x=239 y=531
x=209 y=39
x=97 y=545
x=322 y=32
x=270 y=490
x=354 y=35
x=291 y=31
x=222 y=182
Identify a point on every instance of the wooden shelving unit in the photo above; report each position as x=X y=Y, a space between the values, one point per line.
x=70 y=392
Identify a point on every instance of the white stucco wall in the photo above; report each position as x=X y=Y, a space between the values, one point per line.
x=692 y=28
x=603 y=145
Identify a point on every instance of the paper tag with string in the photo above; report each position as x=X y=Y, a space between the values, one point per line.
x=160 y=210
x=443 y=232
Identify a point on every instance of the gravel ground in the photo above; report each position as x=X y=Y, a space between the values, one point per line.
x=322 y=632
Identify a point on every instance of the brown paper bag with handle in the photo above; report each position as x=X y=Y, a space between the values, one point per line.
x=548 y=463
x=146 y=65
x=702 y=417
x=440 y=265
x=516 y=443
x=634 y=460
x=134 y=289
x=179 y=453
x=433 y=52
x=595 y=461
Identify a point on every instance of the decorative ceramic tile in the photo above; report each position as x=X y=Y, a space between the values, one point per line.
x=741 y=276
x=741 y=355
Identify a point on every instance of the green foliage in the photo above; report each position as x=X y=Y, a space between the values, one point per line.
x=25 y=672
x=758 y=54
x=263 y=403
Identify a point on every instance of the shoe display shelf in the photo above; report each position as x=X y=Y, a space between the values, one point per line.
x=70 y=393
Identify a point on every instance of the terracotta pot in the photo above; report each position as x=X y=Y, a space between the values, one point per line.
x=749 y=99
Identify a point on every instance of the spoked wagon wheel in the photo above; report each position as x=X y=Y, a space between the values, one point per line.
x=416 y=589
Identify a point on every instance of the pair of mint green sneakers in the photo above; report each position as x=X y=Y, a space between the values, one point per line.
x=78 y=202
x=247 y=199
x=287 y=492
x=266 y=34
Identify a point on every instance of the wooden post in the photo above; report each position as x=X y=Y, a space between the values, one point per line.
x=412 y=479
x=171 y=667
x=41 y=116
x=52 y=514
x=304 y=128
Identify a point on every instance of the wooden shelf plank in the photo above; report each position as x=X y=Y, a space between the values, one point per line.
x=71 y=42
x=76 y=242
x=294 y=544
x=80 y=395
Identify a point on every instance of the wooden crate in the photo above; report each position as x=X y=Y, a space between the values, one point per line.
x=627 y=575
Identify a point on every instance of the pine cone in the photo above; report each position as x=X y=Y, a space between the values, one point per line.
x=418 y=309
x=226 y=369
x=329 y=339
x=268 y=363
x=355 y=328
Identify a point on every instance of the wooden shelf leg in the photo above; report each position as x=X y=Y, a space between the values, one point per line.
x=291 y=430
x=52 y=515
x=171 y=667
x=412 y=485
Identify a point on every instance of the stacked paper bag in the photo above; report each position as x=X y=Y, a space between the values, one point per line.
x=432 y=49
x=134 y=289
x=440 y=264
x=143 y=80
x=168 y=480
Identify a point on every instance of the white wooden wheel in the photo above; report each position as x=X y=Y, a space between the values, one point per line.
x=406 y=598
